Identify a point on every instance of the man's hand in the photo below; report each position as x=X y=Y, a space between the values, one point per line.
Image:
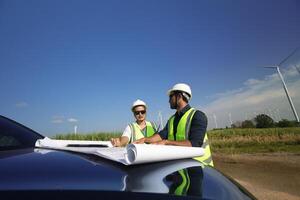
x=139 y=141
x=162 y=142
x=115 y=142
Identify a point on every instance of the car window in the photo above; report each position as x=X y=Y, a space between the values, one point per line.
x=7 y=141
x=15 y=136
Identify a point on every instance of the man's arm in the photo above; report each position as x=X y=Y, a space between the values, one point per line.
x=123 y=140
x=120 y=141
x=152 y=139
x=186 y=143
x=157 y=137
x=164 y=139
x=198 y=129
x=196 y=134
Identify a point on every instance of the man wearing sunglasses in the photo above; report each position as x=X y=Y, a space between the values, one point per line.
x=138 y=129
x=187 y=127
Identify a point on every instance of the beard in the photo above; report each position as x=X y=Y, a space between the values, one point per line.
x=173 y=105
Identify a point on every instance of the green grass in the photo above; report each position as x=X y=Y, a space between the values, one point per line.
x=232 y=141
x=254 y=140
x=88 y=136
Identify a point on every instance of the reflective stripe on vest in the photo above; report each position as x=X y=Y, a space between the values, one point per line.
x=136 y=132
x=185 y=184
x=206 y=158
x=183 y=129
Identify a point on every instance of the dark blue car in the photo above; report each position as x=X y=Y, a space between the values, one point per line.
x=27 y=172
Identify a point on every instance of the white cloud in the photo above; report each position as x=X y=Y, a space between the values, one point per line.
x=291 y=73
x=251 y=82
x=226 y=93
x=257 y=96
x=21 y=104
x=297 y=68
x=57 y=119
x=72 y=120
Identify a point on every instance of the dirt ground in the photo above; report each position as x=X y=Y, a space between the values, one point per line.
x=267 y=176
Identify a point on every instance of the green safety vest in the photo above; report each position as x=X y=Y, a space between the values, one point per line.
x=185 y=184
x=136 y=132
x=183 y=129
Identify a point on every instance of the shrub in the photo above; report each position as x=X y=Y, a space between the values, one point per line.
x=264 y=121
x=287 y=123
x=248 y=124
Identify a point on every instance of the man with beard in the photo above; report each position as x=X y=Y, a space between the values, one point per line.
x=187 y=127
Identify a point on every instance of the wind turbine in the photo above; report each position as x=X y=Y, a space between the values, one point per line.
x=278 y=114
x=297 y=68
x=161 y=125
x=246 y=116
x=284 y=85
x=75 y=129
x=271 y=114
x=255 y=113
x=215 y=118
x=230 y=119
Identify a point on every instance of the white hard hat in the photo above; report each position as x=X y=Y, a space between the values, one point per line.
x=138 y=102
x=181 y=87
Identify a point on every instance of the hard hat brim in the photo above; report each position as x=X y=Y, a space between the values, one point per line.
x=172 y=90
x=169 y=92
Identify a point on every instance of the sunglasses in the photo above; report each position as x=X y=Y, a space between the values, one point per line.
x=139 y=112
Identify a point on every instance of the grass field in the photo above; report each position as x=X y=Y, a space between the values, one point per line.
x=255 y=140
x=232 y=141
x=100 y=136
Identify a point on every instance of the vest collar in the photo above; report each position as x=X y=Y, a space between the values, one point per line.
x=181 y=113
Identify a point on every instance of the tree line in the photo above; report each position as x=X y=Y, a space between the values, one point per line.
x=264 y=121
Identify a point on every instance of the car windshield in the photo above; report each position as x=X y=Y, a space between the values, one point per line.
x=15 y=136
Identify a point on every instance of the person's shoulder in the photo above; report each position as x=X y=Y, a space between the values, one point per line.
x=199 y=114
x=152 y=123
x=130 y=125
x=127 y=131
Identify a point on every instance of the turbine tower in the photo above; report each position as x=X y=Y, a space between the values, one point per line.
x=284 y=85
x=75 y=129
x=297 y=68
x=230 y=119
x=215 y=118
x=278 y=114
x=160 y=119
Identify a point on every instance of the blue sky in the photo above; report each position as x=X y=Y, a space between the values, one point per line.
x=66 y=63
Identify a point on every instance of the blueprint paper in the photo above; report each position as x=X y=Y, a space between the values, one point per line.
x=130 y=155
